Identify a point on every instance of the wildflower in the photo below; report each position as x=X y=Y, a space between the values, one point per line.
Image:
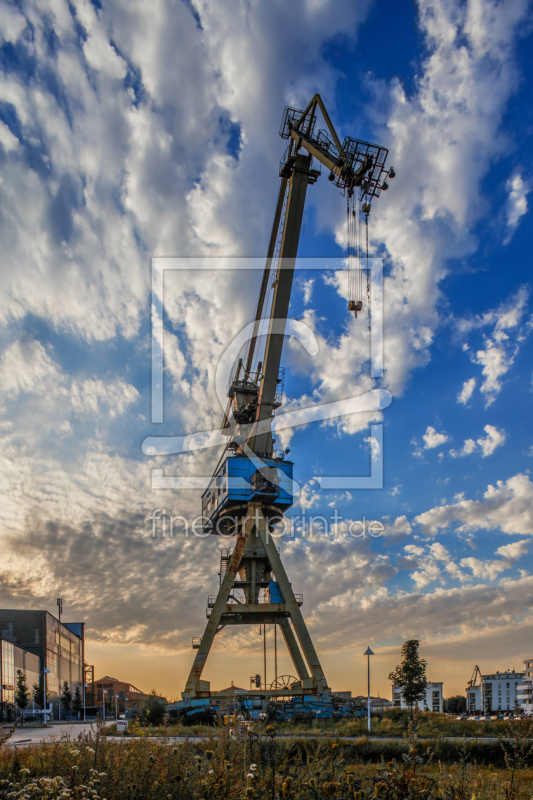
x=253 y=766
x=334 y=746
x=286 y=786
x=412 y=752
x=74 y=752
x=90 y=750
x=211 y=771
x=250 y=776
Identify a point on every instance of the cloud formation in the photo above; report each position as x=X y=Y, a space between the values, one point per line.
x=508 y=506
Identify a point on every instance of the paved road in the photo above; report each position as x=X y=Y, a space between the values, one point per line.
x=30 y=735
x=27 y=736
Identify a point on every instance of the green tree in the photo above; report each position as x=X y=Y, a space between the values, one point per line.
x=66 y=698
x=153 y=712
x=38 y=691
x=455 y=704
x=77 y=702
x=410 y=675
x=22 y=694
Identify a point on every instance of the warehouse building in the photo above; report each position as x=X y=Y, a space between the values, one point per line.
x=130 y=700
x=60 y=647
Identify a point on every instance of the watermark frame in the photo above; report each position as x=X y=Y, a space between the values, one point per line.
x=374 y=400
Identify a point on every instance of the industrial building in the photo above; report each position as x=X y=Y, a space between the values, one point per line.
x=58 y=645
x=497 y=691
x=433 y=700
x=130 y=700
x=12 y=659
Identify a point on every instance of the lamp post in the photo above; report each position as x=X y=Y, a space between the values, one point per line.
x=104 y=692
x=116 y=701
x=85 y=687
x=368 y=653
x=45 y=673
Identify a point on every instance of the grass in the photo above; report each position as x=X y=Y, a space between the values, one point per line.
x=431 y=725
x=245 y=764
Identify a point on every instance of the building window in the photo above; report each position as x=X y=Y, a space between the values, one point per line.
x=8 y=673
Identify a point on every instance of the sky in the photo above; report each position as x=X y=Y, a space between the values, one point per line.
x=131 y=130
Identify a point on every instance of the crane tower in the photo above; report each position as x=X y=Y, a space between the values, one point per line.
x=252 y=486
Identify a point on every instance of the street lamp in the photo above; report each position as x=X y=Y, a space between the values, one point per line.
x=104 y=692
x=85 y=686
x=46 y=672
x=368 y=653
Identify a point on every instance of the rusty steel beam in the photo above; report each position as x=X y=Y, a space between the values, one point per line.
x=294 y=650
x=218 y=609
x=292 y=606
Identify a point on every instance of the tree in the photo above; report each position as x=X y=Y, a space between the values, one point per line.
x=153 y=712
x=38 y=691
x=77 y=702
x=410 y=675
x=22 y=694
x=66 y=698
x=455 y=704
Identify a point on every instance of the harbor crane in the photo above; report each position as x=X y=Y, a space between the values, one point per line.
x=252 y=485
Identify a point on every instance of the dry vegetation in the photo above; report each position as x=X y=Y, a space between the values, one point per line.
x=248 y=764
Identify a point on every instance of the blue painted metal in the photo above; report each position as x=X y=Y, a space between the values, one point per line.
x=238 y=481
x=273 y=593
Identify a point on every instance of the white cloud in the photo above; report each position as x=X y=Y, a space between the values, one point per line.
x=466 y=392
x=518 y=191
x=492 y=440
x=514 y=550
x=468 y=448
x=507 y=506
x=484 y=569
x=433 y=439
x=91 y=396
x=500 y=347
x=398 y=531
x=487 y=444
x=496 y=359
x=308 y=497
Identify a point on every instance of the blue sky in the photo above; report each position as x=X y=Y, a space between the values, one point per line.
x=128 y=132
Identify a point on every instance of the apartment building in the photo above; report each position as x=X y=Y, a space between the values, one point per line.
x=432 y=701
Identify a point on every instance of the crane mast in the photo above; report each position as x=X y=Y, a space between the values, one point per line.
x=251 y=487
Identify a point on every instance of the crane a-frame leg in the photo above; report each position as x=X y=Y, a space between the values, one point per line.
x=252 y=566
